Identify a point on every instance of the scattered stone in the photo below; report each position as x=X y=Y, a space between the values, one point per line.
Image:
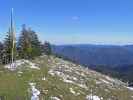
x=43 y=78
x=93 y=97
x=20 y=63
x=72 y=91
x=35 y=92
x=54 y=98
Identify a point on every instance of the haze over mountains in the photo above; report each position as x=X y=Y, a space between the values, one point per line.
x=110 y=55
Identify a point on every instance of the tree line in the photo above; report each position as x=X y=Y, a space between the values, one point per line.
x=27 y=46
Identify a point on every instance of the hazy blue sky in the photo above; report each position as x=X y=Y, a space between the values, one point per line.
x=72 y=21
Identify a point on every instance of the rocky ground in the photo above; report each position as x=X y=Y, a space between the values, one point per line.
x=51 y=78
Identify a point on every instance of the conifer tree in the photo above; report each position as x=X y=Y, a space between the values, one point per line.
x=1 y=52
x=47 y=48
x=24 y=43
x=8 y=48
x=28 y=44
x=35 y=43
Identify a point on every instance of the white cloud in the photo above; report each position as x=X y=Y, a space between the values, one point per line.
x=75 y=18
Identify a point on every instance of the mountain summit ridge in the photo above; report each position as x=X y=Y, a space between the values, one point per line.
x=58 y=79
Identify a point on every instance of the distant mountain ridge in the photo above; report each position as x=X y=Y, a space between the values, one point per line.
x=87 y=54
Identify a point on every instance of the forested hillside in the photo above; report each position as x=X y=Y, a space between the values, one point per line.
x=109 y=55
